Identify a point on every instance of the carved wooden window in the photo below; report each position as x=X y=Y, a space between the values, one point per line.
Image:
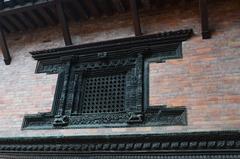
x=105 y=87
x=105 y=84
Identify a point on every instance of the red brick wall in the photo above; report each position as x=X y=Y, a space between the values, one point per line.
x=206 y=80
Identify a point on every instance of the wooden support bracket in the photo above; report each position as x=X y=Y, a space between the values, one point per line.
x=135 y=16
x=4 y=47
x=63 y=23
x=204 y=19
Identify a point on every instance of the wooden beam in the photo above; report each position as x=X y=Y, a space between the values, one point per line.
x=92 y=7
x=39 y=16
x=135 y=16
x=118 y=4
x=63 y=23
x=4 y=47
x=146 y=4
x=204 y=19
x=17 y=22
x=6 y=23
x=69 y=9
x=5 y=29
x=27 y=6
x=81 y=11
x=105 y=7
x=68 y=14
x=52 y=12
x=46 y=16
x=26 y=21
x=36 y=20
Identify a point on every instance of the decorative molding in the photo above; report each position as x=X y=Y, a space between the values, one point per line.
x=139 y=44
x=100 y=156
x=217 y=145
x=157 y=116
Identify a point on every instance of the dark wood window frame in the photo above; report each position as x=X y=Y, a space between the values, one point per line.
x=74 y=64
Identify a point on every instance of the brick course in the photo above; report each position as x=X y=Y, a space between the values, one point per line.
x=206 y=80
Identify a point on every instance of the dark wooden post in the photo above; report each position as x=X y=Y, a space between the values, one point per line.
x=204 y=19
x=135 y=16
x=63 y=23
x=4 y=47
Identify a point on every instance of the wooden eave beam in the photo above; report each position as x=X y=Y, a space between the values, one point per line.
x=92 y=7
x=135 y=16
x=69 y=9
x=6 y=23
x=27 y=6
x=52 y=12
x=118 y=4
x=5 y=30
x=63 y=22
x=81 y=11
x=17 y=22
x=146 y=4
x=4 y=47
x=35 y=18
x=105 y=7
x=26 y=21
x=46 y=16
x=204 y=19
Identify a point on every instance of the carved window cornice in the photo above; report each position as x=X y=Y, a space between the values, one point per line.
x=105 y=84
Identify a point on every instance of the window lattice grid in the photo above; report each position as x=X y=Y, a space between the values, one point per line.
x=104 y=94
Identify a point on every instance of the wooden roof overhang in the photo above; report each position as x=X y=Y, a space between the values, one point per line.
x=22 y=15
